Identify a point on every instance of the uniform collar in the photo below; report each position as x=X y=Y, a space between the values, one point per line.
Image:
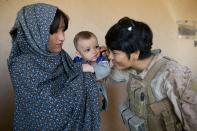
x=143 y=73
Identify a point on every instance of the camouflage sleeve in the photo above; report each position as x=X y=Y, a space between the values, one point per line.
x=183 y=97
x=119 y=76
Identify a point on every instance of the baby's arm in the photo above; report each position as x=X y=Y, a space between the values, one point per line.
x=87 y=68
x=101 y=69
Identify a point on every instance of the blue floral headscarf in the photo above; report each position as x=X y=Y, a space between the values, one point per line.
x=51 y=92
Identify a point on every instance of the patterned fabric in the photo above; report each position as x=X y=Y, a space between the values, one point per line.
x=102 y=70
x=51 y=92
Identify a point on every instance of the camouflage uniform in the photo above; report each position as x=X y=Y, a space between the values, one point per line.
x=173 y=81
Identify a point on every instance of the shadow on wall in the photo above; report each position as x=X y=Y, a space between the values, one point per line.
x=6 y=107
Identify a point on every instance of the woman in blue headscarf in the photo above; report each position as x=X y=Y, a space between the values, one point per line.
x=51 y=92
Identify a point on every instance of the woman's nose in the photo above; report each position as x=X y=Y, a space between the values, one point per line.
x=61 y=36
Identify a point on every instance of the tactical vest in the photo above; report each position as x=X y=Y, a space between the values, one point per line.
x=142 y=112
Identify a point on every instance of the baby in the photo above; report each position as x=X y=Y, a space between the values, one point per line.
x=88 y=53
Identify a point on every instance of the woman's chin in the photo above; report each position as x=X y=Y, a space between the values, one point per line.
x=119 y=67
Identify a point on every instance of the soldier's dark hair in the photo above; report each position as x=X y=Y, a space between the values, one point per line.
x=128 y=35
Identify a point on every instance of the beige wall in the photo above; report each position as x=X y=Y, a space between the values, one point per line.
x=97 y=16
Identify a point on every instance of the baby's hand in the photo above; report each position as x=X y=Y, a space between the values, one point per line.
x=87 y=68
x=104 y=51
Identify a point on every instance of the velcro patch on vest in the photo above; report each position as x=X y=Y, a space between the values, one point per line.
x=161 y=106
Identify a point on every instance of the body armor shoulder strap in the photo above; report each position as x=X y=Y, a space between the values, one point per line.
x=151 y=74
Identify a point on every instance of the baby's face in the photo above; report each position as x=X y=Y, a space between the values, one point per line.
x=88 y=49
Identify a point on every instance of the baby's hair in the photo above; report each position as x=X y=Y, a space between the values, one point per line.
x=83 y=35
